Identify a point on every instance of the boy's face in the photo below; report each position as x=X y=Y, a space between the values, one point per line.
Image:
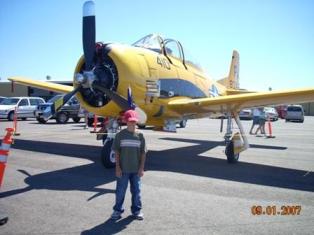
x=131 y=124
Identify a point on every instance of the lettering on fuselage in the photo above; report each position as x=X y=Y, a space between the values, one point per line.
x=163 y=62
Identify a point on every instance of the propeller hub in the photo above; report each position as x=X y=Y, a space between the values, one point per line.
x=86 y=79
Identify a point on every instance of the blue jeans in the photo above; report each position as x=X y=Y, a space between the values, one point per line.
x=122 y=185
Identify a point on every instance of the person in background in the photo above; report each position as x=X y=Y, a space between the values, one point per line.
x=262 y=120
x=130 y=153
x=256 y=116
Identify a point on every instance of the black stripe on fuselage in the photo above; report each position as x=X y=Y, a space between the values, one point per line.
x=172 y=87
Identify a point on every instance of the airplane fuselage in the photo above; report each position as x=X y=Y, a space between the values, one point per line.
x=155 y=79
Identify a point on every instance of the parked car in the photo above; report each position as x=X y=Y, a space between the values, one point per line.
x=25 y=107
x=246 y=114
x=271 y=113
x=70 y=110
x=295 y=113
x=2 y=98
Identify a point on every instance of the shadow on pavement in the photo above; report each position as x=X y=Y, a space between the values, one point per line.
x=186 y=160
x=110 y=226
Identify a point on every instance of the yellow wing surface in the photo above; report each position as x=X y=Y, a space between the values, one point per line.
x=240 y=101
x=41 y=84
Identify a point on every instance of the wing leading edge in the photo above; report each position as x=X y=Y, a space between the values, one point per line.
x=240 y=101
x=41 y=84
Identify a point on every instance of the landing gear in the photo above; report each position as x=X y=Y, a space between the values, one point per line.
x=234 y=143
x=107 y=154
x=229 y=151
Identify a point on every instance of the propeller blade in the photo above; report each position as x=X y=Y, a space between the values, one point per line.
x=89 y=34
x=118 y=99
x=122 y=102
x=57 y=105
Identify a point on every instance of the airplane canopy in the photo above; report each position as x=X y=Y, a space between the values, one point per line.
x=168 y=47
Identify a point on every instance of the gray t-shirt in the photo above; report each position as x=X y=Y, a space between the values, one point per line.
x=130 y=146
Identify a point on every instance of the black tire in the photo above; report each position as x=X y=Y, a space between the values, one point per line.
x=11 y=116
x=62 y=118
x=107 y=155
x=231 y=157
x=41 y=120
x=141 y=126
x=183 y=123
x=76 y=119
x=24 y=119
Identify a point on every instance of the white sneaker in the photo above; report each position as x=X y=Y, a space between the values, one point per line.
x=116 y=215
x=139 y=216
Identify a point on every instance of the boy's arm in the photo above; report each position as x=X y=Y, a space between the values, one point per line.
x=118 y=167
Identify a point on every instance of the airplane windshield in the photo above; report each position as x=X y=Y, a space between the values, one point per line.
x=155 y=42
x=10 y=101
x=152 y=42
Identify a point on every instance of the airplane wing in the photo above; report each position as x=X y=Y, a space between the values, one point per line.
x=41 y=84
x=240 y=101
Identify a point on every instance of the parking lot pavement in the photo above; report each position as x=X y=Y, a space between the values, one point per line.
x=55 y=183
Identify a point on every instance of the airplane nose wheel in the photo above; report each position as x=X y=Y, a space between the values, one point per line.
x=229 y=151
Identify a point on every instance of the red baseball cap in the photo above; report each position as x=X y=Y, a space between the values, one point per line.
x=130 y=116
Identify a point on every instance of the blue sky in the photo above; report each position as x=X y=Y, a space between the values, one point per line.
x=274 y=37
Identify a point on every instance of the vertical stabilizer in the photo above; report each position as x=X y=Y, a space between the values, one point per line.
x=232 y=81
x=234 y=71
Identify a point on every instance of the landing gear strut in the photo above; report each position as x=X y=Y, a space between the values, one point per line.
x=107 y=154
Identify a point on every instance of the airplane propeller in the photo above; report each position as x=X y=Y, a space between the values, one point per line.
x=93 y=77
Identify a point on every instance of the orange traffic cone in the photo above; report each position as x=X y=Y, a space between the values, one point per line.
x=4 y=151
x=15 y=123
x=95 y=124
x=269 y=129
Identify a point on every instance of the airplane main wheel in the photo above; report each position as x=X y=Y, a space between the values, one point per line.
x=231 y=157
x=107 y=155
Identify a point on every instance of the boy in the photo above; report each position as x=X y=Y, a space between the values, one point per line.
x=130 y=154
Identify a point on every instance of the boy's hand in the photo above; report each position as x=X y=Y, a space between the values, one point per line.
x=140 y=172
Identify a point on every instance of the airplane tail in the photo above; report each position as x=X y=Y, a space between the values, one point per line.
x=232 y=81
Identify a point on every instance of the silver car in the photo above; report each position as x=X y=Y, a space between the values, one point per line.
x=295 y=113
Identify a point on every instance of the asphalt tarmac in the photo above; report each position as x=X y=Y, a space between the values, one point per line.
x=55 y=183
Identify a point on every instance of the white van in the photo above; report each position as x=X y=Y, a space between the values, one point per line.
x=295 y=113
x=25 y=107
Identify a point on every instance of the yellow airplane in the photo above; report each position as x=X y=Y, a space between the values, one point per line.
x=158 y=79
